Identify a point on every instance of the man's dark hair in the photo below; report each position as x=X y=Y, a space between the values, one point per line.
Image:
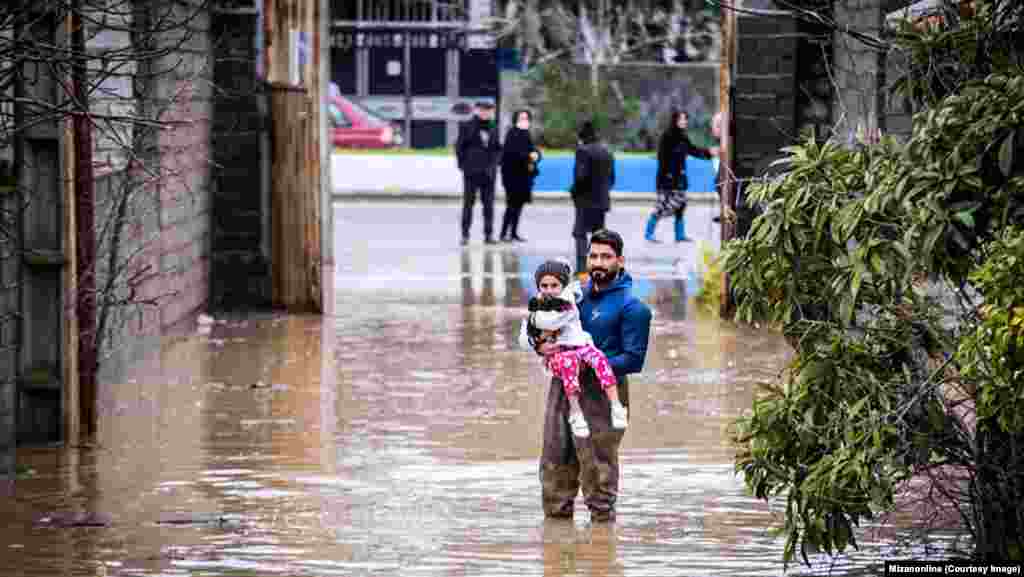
x=609 y=238
x=588 y=132
x=515 y=117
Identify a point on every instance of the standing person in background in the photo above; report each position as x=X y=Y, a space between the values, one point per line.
x=593 y=179
x=671 y=182
x=478 y=152
x=519 y=160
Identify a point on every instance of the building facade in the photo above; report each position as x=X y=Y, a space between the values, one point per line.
x=420 y=65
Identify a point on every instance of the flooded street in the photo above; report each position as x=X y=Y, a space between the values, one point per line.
x=401 y=435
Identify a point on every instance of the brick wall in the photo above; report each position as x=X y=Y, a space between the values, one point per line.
x=765 y=110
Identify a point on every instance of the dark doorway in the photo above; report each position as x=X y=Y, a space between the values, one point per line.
x=478 y=73
x=343 y=68
x=387 y=71
x=429 y=71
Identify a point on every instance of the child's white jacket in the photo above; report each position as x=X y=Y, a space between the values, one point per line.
x=567 y=322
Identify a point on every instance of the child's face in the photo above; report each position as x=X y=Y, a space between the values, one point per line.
x=550 y=285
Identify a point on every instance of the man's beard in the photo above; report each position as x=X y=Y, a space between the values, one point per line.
x=604 y=278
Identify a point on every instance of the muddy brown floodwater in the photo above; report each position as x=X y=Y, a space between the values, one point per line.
x=400 y=436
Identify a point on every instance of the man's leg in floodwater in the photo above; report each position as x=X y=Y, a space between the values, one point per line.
x=559 y=467
x=598 y=455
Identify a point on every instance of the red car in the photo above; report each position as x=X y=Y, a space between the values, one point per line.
x=352 y=126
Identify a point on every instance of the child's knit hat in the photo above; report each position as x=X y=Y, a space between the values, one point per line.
x=558 y=269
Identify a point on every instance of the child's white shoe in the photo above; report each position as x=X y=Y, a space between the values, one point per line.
x=619 y=420
x=578 y=424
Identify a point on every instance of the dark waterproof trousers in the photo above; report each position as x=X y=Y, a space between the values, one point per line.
x=588 y=221
x=510 y=222
x=568 y=464
x=482 y=183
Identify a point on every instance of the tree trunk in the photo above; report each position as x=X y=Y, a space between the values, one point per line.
x=997 y=493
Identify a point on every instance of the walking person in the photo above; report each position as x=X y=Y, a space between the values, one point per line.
x=619 y=325
x=670 y=180
x=593 y=179
x=519 y=160
x=478 y=152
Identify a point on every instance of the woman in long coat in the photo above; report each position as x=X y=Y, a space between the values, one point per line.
x=519 y=159
x=671 y=180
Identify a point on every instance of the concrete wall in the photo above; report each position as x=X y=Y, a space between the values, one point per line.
x=168 y=237
x=857 y=69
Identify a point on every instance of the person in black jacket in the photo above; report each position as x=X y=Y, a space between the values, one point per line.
x=594 y=177
x=519 y=160
x=671 y=182
x=478 y=152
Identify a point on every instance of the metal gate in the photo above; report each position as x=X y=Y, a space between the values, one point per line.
x=424 y=77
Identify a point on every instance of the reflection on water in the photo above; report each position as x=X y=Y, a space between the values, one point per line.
x=399 y=437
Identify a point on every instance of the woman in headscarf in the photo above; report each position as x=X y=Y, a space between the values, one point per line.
x=671 y=180
x=519 y=159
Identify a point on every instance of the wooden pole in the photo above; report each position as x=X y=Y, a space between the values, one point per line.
x=295 y=157
x=727 y=154
x=85 y=249
x=314 y=102
x=71 y=393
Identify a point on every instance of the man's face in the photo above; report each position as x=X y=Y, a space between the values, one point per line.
x=604 y=265
x=484 y=113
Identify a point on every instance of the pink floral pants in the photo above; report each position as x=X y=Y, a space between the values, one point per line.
x=565 y=364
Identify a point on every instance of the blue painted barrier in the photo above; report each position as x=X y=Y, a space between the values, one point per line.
x=632 y=174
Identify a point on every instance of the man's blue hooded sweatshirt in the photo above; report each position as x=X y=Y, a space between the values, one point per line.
x=618 y=322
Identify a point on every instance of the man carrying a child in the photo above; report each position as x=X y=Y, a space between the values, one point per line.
x=619 y=326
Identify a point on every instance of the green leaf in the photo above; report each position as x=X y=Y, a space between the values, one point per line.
x=856 y=279
x=877 y=264
x=931 y=238
x=855 y=409
x=846 y=309
x=1005 y=156
x=965 y=217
